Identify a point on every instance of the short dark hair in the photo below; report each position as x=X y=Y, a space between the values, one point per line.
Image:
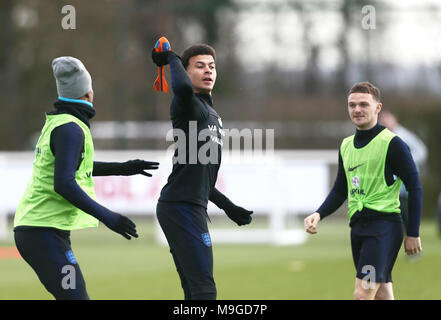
x=197 y=49
x=366 y=87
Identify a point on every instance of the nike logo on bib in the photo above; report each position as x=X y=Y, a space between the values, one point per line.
x=353 y=168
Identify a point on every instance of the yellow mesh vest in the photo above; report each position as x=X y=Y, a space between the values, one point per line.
x=364 y=168
x=41 y=205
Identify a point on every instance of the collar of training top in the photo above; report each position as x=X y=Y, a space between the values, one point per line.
x=79 y=110
x=362 y=137
x=206 y=97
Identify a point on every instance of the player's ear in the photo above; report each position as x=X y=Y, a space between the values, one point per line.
x=89 y=96
x=379 y=106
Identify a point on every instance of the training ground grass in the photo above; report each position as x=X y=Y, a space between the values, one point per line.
x=322 y=268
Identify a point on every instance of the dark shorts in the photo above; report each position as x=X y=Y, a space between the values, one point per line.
x=48 y=252
x=186 y=230
x=375 y=246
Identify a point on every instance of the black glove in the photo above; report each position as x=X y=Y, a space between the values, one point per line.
x=161 y=58
x=239 y=215
x=124 y=226
x=137 y=166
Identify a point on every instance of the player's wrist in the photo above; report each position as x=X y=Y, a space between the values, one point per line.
x=110 y=219
x=163 y=58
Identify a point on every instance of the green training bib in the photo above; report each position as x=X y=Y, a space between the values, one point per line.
x=43 y=207
x=364 y=168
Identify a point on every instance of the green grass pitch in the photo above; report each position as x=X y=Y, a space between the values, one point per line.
x=322 y=268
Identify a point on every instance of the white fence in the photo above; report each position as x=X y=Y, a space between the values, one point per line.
x=286 y=181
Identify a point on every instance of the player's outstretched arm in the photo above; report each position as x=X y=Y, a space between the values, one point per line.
x=182 y=86
x=66 y=145
x=238 y=214
x=127 y=168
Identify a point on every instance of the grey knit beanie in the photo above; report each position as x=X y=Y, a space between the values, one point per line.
x=72 y=78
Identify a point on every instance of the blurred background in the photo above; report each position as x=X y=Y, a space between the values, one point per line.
x=285 y=65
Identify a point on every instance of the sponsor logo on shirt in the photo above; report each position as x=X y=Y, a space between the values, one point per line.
x=356 y=181
x=356 y=184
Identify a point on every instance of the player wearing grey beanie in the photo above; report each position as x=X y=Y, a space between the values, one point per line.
x=60 y=196
x=72 y=78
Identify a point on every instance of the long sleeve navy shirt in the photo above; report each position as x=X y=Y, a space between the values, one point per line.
x=67 y=145
x=399 y=162
x=192 y=180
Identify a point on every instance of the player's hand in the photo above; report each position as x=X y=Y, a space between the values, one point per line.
x=412 y=245
x=124 y=226
x=239 y=215
x=161 y=58
x=137 y=166
x=311 y=222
